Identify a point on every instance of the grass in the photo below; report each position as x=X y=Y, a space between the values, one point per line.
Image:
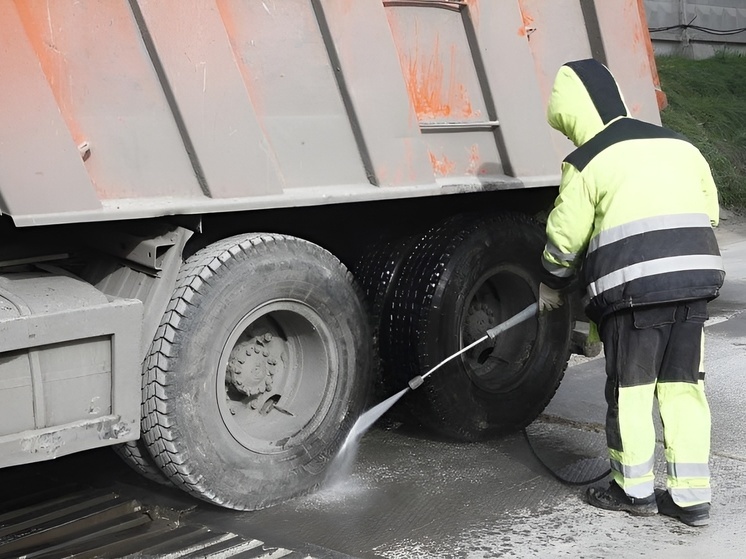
x=707 y=104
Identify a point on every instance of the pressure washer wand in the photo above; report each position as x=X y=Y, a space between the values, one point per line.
x=492 y=333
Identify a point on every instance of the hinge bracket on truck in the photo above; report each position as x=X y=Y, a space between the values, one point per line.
x=152 y=264
x=146 y=253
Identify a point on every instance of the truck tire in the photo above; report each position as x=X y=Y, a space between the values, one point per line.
x=378 y=271
x=259 y=369
x=135 y=454
x=466 y=276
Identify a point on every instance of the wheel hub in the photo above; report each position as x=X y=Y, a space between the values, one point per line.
x=497 y=365
x=480 y=318
x=252 y=364
x=275 y=373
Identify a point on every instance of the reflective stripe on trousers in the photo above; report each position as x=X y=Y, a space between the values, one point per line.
x=687 y=445
x=632 y=460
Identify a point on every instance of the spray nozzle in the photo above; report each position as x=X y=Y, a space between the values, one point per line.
x=416 y=382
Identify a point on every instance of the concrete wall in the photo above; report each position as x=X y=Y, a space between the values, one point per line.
x=713 y=14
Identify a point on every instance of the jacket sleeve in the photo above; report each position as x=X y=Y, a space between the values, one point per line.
x=711 y=194
x=569 y=228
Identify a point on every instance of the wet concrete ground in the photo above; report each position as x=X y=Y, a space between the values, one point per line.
x=409 y=496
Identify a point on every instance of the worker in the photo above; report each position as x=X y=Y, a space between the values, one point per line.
x=634 y=222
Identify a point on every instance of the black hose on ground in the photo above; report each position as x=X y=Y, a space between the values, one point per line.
x=554 y=474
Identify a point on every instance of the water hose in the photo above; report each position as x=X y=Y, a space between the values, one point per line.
x=554 y=474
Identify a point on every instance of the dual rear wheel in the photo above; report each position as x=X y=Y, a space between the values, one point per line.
x=463 y=277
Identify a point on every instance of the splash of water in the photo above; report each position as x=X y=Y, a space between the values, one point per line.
x=341 y=466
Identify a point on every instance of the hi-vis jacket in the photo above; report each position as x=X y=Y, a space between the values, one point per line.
x=636 y=204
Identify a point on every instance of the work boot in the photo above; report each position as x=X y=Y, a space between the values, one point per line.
x=614 y=498
x=695 y=515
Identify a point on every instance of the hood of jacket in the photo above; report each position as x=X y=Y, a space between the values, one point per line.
x=585 y=99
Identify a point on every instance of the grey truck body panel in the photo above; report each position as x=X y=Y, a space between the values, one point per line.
x=121 y=110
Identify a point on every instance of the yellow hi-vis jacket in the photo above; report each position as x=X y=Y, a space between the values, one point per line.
x=636 y=204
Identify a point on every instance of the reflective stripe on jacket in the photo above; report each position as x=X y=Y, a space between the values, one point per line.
x=636 y=205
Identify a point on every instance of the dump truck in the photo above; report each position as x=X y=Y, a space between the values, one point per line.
x=228 y=226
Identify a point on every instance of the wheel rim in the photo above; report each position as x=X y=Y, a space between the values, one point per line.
x=499 y=365
x=276 y=376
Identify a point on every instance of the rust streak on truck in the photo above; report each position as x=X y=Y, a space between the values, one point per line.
x=431 y=79
x=528 y=22
x=41 y=23
x=442 y=165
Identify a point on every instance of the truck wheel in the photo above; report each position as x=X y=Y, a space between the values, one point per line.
x=468 y=275
x=258 y=370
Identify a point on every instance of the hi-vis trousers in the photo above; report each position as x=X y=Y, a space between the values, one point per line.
x=658 y=351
